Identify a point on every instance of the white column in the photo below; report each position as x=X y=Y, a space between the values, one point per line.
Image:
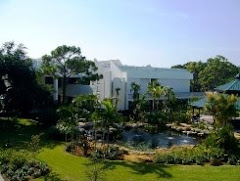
x=55 y=88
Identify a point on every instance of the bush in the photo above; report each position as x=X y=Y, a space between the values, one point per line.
x=112 y=153
x=224 y=139
x=215 y=162
x=188 y=155
x=16 y=166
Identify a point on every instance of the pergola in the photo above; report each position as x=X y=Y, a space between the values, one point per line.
x=232 y=87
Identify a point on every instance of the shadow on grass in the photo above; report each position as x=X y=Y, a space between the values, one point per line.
x=16 y=133
x=139 y=168
x=53 y=177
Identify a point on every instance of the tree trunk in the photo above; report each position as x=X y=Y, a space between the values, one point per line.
x=153 y=103
x=64 y=82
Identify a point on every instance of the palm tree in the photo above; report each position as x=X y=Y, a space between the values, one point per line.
x=222 y=107
x=156 y=91
x=105 y=117
x=170 y=101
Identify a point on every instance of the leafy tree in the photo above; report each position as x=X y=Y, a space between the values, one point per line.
x=214 y=72
x=18 y=86
x=66 y=61
x=222 y=107
x=218 y=71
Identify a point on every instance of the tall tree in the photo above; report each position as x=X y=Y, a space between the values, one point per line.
x=18 y=86
x=66 y=61
x=218 y=71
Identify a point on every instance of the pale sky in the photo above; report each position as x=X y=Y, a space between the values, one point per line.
x=138 y=32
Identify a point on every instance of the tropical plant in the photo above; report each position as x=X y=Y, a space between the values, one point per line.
x=222 y=107
x=85 y=105
x=68 y=121
x=105 y=117
x=139 y=103
x=155 y=90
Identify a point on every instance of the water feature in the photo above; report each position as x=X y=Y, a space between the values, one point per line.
x=159 y=140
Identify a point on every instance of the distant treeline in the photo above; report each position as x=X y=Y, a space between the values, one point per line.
x=210 y=74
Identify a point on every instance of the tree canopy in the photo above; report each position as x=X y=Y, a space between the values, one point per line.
x=210 y=74
x=66 y=61
x=19 y=90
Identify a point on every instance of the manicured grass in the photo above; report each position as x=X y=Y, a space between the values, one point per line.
x=73 y=168
x=17 y=132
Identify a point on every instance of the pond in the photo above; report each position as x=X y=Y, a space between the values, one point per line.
x=145 y=140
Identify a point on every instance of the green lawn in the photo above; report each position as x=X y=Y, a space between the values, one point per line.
x=73 y=168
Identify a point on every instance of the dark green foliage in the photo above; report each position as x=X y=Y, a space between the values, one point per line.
x=158 y=119
x=54 y=133
x=18 y=86
x=216 y=71
x=223 y=138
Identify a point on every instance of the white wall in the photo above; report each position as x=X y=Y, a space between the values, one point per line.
x=178 y=85
x=118 y=76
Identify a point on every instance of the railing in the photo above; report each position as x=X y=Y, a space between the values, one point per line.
x=179 y=95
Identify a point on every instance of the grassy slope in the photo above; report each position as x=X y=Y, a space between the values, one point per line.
x=73 y=168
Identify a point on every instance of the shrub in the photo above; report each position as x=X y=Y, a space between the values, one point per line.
x=15 y=165
x=215 y=162
x=188 y=155
x=224 y=139
x=111 y=153
x=54 y=133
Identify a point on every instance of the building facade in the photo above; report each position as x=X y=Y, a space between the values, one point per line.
x=120 y=77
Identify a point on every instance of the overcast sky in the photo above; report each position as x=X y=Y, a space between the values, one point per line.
x=138 y=32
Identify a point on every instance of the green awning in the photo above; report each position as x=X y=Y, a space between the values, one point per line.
x=199 y=103
x=232 y=86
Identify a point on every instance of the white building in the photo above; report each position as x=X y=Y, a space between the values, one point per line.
x=116 y=75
